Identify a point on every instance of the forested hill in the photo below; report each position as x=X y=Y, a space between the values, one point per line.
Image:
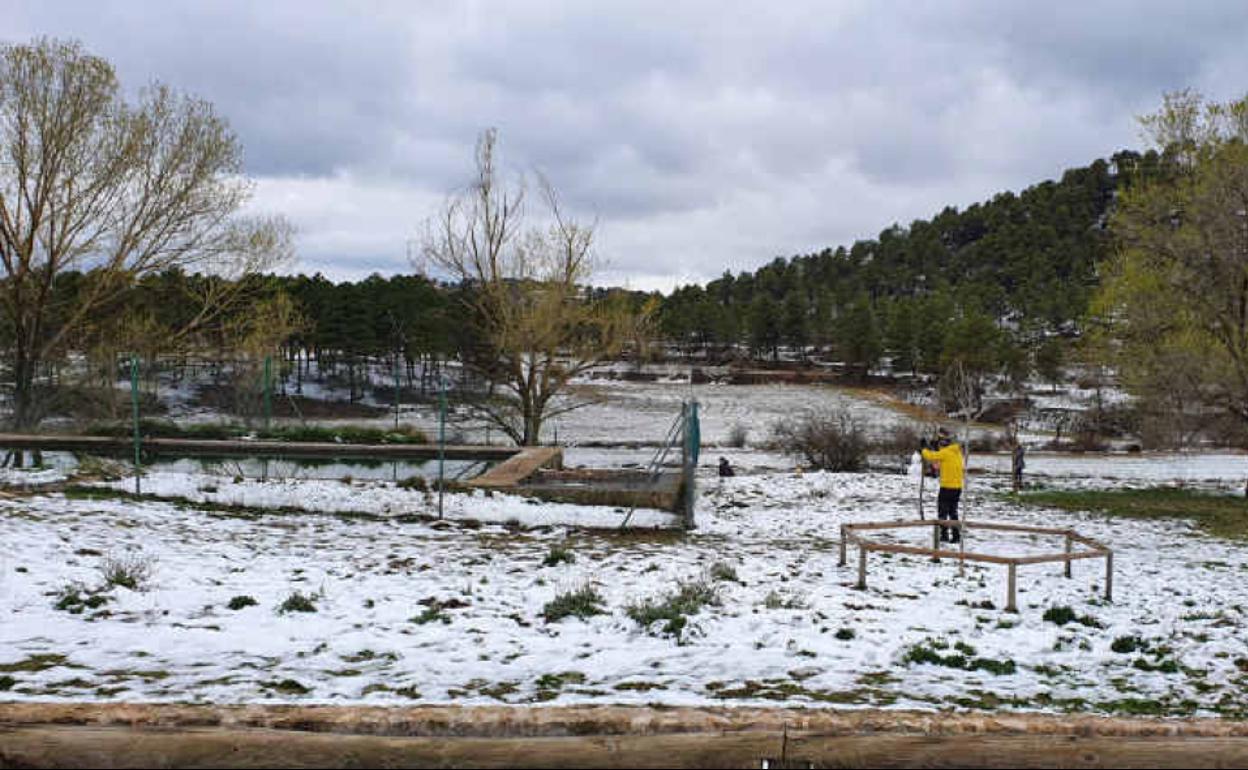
x=995 y=287
x=1004 y=274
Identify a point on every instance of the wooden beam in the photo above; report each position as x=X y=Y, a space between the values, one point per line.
x=183 y=447
x=74 y=746
x=899 y=524
x=1109 y=576
x=923 y=551
x=1055 y=557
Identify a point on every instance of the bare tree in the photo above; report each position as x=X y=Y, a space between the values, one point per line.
x=114 y=190
x=539 y=324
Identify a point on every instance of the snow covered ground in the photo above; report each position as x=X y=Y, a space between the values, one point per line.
x=418 y=611
x=405 y=609
x=642 y=412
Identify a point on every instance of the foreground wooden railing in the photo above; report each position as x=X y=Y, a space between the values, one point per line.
x=147 y=735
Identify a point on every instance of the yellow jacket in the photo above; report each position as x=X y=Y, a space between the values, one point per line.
x=950 y=459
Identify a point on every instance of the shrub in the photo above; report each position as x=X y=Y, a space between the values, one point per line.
x=674 y=608
x=297 y=602
x=92 y=467
x=584 y=602
x=901 y=442
x=414 y=483
x=558 y=555
x=737 y=435
x=239 y=602
x=722 y=572
x=132 y=571
x=826 y=440
x=1126 y=644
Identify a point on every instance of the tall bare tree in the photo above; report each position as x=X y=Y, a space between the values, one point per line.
x=539 y=324
x=90 y=182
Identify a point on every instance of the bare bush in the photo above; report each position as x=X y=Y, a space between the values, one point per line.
x=738 y=435
x=133 y=571
x=831 y=440
x=900 y=442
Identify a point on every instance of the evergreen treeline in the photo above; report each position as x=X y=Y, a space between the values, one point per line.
x=992 y=286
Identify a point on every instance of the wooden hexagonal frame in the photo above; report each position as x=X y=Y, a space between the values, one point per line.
x=850 y=535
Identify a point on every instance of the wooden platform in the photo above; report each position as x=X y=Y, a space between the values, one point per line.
x=523 y=463
x=138 y=735
x=183 y=447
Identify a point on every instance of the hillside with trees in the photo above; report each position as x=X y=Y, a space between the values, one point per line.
x=993 y=286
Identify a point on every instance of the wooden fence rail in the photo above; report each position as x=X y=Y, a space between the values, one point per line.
x=1095 y=549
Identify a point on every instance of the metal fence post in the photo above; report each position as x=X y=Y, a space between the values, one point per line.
x=441 y=446
x=134 y=403
x=268 y=390
x=396 y=390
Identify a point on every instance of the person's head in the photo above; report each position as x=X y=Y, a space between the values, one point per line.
x=943 y=437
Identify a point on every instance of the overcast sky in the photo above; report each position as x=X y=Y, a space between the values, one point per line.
x=702 y=136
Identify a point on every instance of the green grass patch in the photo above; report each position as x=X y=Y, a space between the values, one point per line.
x=287 y=687
x=297 y=602
x=74 y=598
x=558 y=555
x=723 y=572
x=1061 y=615
x=582 y=603
x=39 y=662
x=964 y=659
x=1220 y=515
x=673 y=609
x=241 y=601
x=1129 y=644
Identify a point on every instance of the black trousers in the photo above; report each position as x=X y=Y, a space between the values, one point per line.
x=947 y=508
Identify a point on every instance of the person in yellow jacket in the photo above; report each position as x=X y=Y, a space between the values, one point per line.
x=948 y=455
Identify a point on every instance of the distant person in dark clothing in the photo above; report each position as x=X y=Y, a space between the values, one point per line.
x=725 y=469
x=1017 y=464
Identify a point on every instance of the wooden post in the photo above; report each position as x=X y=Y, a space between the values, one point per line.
x=1109 y=576
x=935 y=541
x=1011 y=605
x=862 y=567
x=1068 y=549
x=843 y=546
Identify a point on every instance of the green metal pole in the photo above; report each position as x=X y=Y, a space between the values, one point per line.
x=268 y=390
x=134 y=402
x=441 y=446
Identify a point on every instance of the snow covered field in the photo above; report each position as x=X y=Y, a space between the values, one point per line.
x=642 y=412
x=442 y=612
x=403 y=609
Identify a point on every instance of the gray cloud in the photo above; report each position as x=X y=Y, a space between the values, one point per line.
x=701 y=135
